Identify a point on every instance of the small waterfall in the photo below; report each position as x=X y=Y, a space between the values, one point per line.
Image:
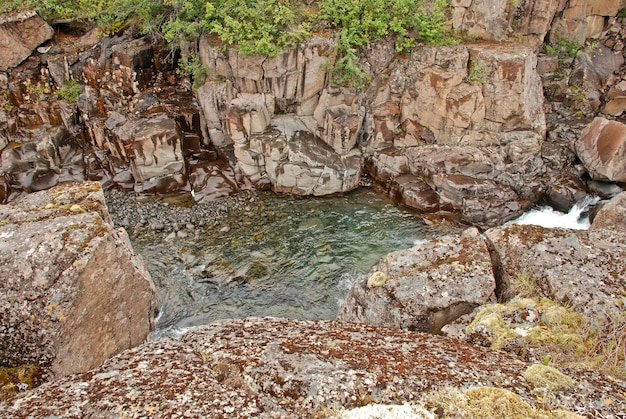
x=577 y=218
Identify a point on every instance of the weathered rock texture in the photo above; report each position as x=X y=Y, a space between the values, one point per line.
x=425 y=287
x=291 y=369
x=611 y=215
x=602 y=150
x=584 y=269
x=20 y=34
x=74 y=293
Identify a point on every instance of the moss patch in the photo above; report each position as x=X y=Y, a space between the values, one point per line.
x=548 y=377
x=16 y=379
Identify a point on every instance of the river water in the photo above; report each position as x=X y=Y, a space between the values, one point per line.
x=286 y=257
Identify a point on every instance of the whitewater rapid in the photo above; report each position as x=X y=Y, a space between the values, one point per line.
x=577 y=218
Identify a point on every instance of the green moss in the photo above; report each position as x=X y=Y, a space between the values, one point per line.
x=548 y=377
x=11 y=379
x=492 y=402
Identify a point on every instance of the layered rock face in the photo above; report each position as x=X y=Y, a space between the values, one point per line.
x=285 y=368
x=74 y=292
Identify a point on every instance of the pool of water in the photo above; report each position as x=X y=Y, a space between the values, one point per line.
x=286 y=257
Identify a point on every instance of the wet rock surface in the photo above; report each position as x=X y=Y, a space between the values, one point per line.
x=285 y=368
x=60 y=256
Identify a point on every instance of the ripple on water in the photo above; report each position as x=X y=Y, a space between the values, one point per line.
x=287 y=257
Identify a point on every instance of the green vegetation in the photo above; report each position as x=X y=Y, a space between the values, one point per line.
x=264 y=26
x=70 y=91
x=477 y=72
x=621 y=14
x=193 y=69
x=563 y=48
x=561 y=336
x=548 y=377
x=16 y=379
x=361 y=21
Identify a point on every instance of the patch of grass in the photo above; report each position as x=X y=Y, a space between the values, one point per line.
x=558 y=334
x=70 y=91
x=477 y=72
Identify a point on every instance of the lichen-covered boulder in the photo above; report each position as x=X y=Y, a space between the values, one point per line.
x=425 y=287
x=278 y=368
x=585 y=269
x=74 y=293
x=601 y=148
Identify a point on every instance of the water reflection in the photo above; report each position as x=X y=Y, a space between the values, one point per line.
x=286 y=257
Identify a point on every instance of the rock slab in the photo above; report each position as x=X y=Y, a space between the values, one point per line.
x=278 y=368
x=74 y=293
x=20 y=34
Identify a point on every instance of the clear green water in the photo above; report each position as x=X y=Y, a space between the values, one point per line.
x=285 y=257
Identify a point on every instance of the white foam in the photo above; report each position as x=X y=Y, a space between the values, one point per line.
x=576 y=218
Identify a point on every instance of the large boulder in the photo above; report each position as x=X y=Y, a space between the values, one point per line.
x=425 y=287
x=20 y=34
x=291 y=369
x=585 y=269
x=74 y=293
x=611 y=215
x=601 y=148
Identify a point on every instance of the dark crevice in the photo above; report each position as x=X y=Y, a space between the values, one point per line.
x=502 y=287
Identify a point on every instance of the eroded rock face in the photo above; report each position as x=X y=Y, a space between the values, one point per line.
x=74 y=292
x=425 y=287
x=602 y=150
x=286 y=368
x=20 y=34
x=582 y=268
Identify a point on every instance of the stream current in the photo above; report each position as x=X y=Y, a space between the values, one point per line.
x=283 y=256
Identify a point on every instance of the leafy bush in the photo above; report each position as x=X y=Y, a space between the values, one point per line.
x=361 y=21
x=253 y=26
x=193 y=69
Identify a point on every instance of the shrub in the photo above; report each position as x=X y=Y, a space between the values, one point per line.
x=361 y=21
x=253 y=26
x=70 y=91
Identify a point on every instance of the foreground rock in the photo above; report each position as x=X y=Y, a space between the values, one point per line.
x=425 y=287
x=287 y=368
x=74 y=293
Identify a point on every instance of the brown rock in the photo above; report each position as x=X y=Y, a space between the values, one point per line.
x=602 y=150
x=278 y=368
x=74 y=293
x=611 y=215
x=20 y=34
x=584 y=269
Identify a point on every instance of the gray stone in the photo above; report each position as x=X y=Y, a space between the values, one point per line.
x=74 y=293
x=425 y=287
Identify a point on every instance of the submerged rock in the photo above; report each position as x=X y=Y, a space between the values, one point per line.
x=74 y=293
